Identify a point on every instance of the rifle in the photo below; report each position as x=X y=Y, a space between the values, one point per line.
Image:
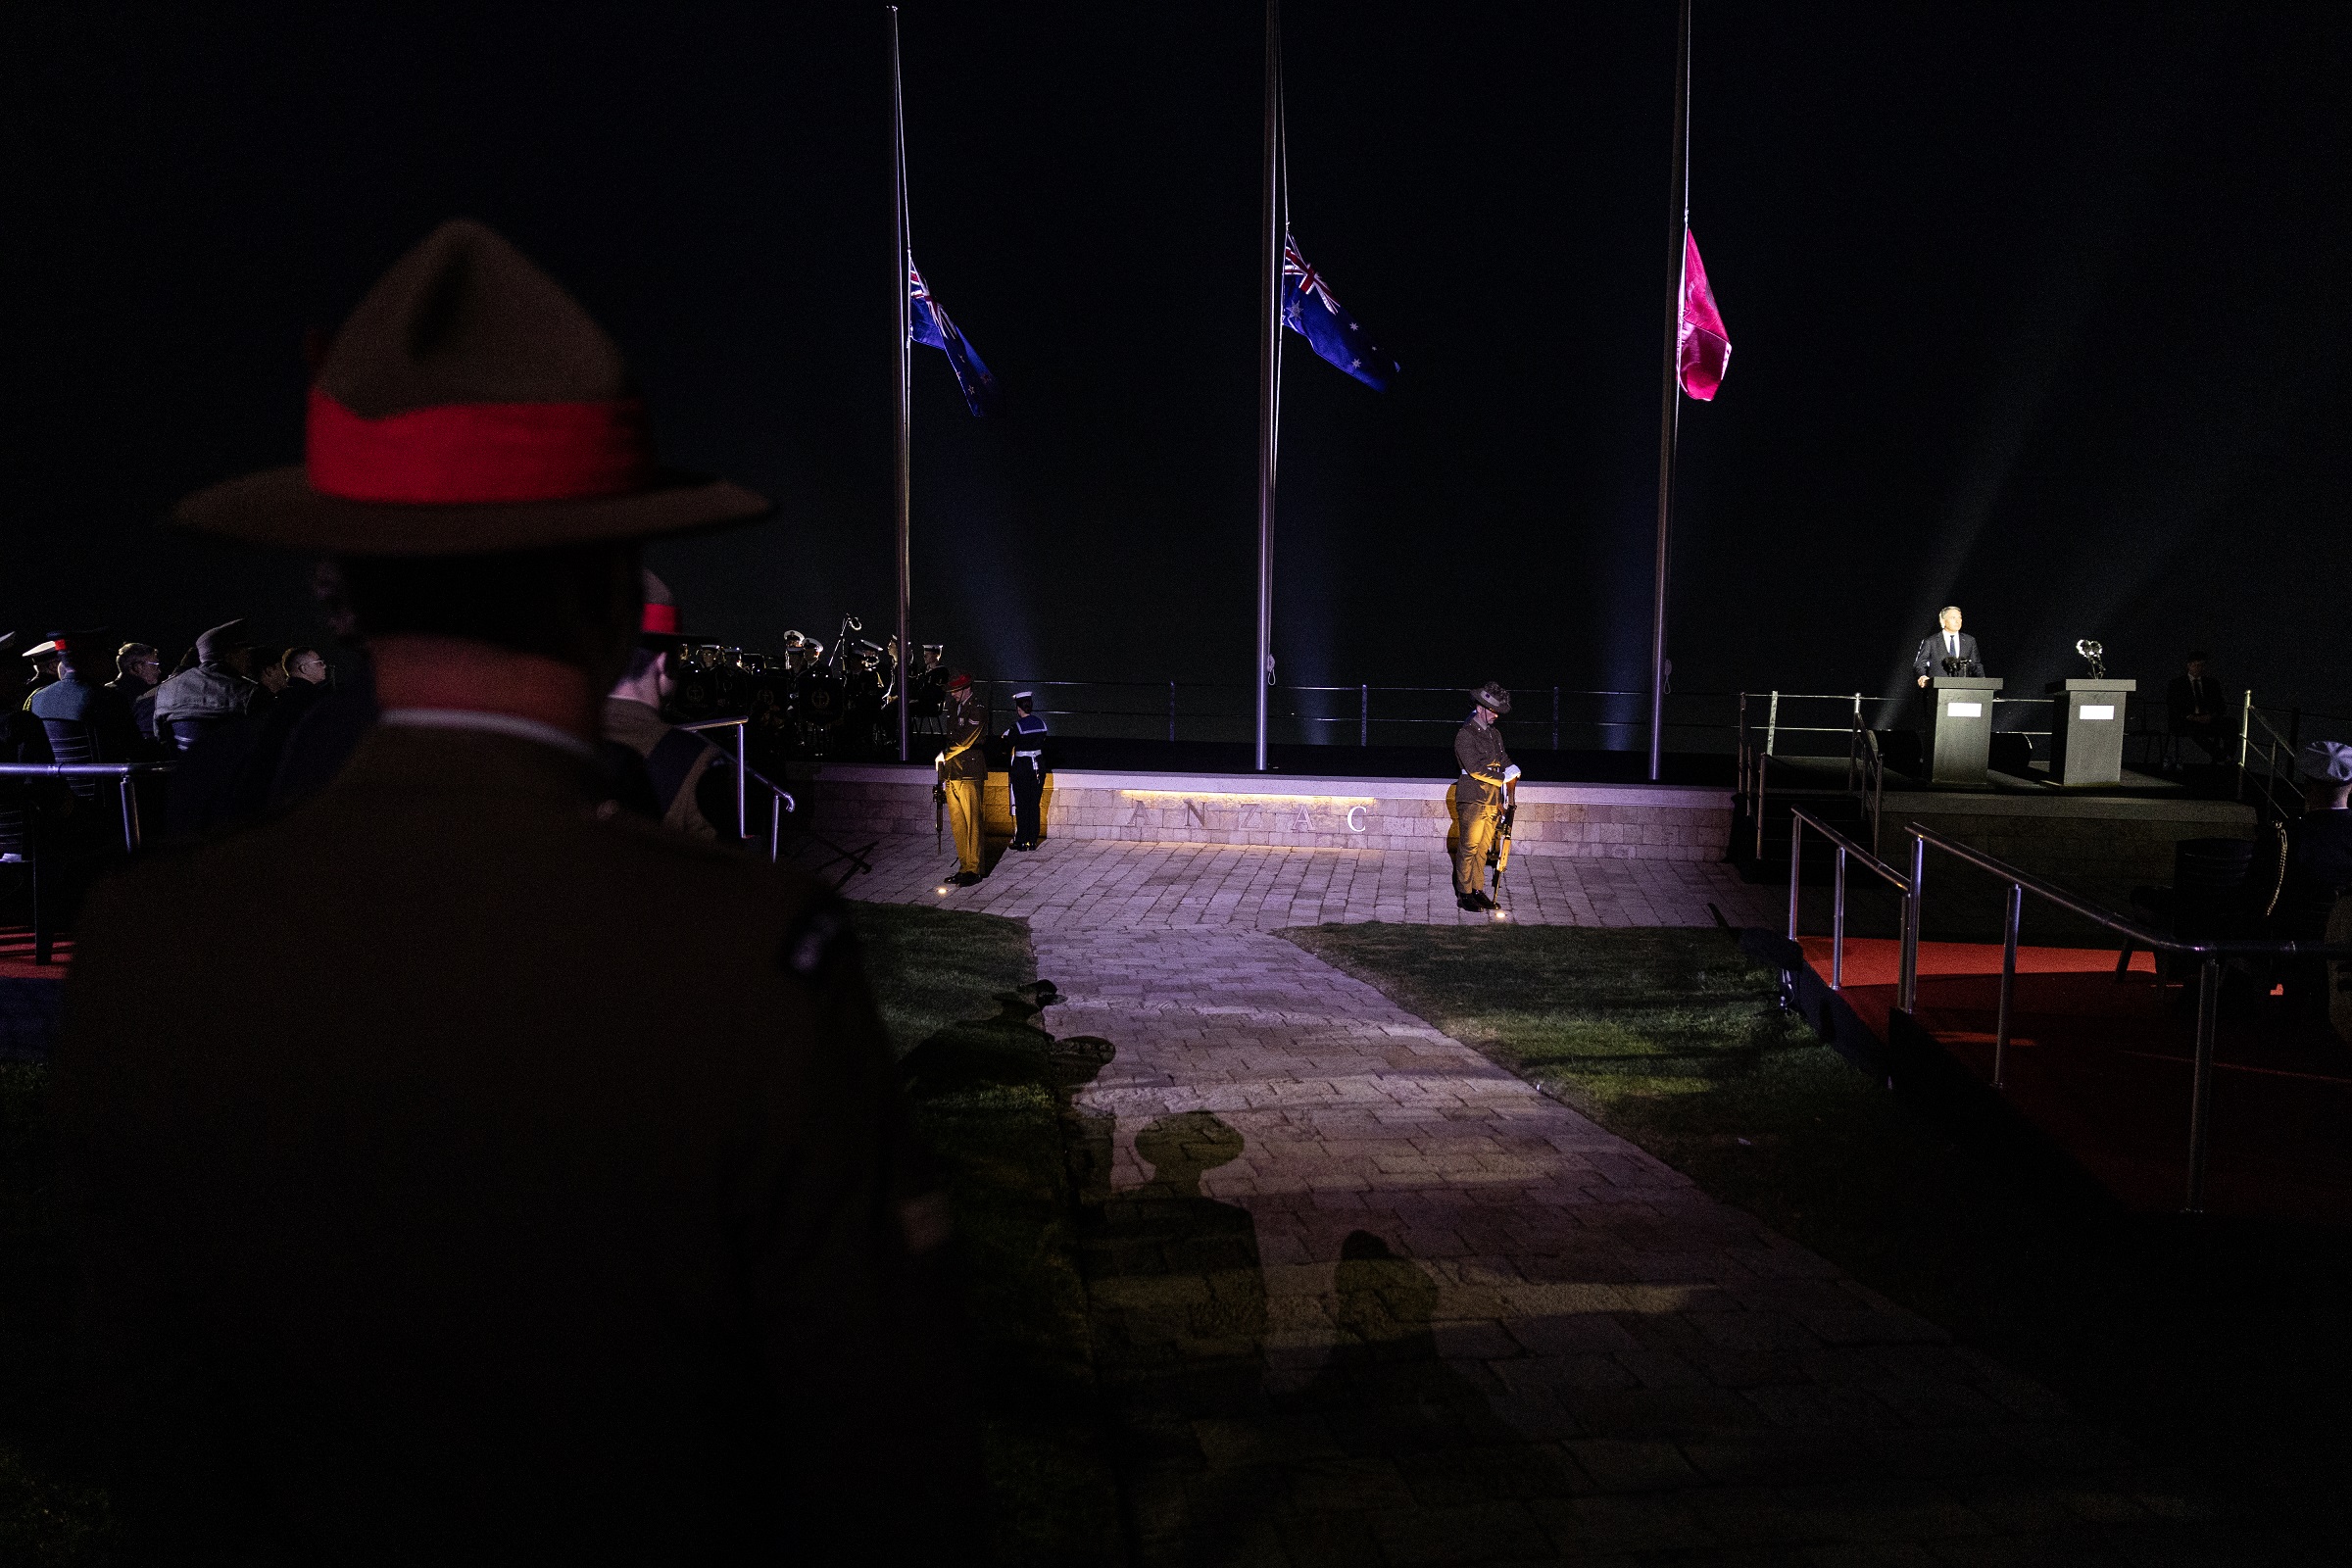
x=939 y=817
x=1499 y=853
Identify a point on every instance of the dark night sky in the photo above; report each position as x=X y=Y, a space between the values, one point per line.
x=2035 y=307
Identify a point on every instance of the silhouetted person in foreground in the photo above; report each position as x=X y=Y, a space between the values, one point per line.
x=502 y=1228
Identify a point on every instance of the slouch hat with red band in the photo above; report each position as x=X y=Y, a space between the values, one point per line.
x=468 y=407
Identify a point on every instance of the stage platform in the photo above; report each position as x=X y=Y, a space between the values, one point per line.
x=1618 y=822
x=2102 y=844
x=2099 y=1071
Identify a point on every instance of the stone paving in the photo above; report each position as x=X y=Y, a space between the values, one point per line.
x=1361 y=1296
x=1105 y=883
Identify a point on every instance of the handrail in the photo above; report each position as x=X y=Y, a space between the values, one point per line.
x=120 y=772
x=780 y=799
x=1798 y=820
x=2208 y=972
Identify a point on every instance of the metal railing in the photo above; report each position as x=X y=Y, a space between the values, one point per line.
x=1798 y=822
x=124 y=775
x=780 y=799
x=2210 y=957
x=1570 y=719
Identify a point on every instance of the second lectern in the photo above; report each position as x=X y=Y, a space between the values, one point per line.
x=1960 y=729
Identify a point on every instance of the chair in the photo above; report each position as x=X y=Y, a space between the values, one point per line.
x=71 y=741
x=182 y=733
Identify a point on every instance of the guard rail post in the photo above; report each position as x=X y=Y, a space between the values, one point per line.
x=1908 y=986
x=1838 y=924
x=1364 y=722
x=1796 y=840
x=2200 y=1095
x=2010 y=919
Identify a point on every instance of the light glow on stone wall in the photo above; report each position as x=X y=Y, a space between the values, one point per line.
x=1266 y=800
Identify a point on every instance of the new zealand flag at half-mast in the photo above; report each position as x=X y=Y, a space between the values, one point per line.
x=927 y=323
x=1311 y=311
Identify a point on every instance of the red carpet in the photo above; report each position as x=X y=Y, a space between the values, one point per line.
x=2102 y=1066
x=16 y=956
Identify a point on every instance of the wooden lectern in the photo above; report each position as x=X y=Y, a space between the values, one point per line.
x=2086 y=734
x=1960 y=728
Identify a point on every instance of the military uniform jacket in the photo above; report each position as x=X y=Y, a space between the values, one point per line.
x=555 y=1206
x=103 y=712
x=207 y=692
x=963 y=757
x=1483 y=760
x=1026 y=736
x=678 y=760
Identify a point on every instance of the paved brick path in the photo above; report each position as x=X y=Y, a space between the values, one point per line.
x=1135 y=886
x=1362 y=1298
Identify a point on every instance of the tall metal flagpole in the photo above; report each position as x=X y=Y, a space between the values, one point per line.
x=1670 y=408
x=1269 y=374
x=903 y=472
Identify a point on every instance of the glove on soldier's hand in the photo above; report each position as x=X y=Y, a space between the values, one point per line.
x=1511 y=774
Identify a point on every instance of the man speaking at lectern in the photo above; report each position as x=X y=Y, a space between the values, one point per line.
x=1949 y=643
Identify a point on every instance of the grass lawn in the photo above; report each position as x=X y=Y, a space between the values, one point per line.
x=2227 y=1348
x=989 y=1091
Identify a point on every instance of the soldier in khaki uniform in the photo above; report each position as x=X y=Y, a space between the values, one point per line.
x=559 y=1205
x=962 y=772
x=1486 y=772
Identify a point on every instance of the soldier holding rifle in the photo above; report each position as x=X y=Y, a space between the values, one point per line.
x=963 y=770
x=1488 y=774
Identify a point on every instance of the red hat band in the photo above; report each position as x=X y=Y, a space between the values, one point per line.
x=477 y=453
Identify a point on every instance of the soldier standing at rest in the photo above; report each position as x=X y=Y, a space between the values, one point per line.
x=560 y=1206
x=1025 y=771
x=962 y=771
x=1487 y=771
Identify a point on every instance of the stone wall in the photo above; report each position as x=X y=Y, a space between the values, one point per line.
x=1608 y=821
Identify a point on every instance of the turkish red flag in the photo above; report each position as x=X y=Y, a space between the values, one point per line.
x=1705 y=349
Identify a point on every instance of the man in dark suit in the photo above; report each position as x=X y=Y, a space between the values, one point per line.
x=2197 y=709
x=559 y=1205
x=1949 y=643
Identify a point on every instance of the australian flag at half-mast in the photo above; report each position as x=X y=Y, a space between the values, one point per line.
x=927 y=323
x=1311 y=311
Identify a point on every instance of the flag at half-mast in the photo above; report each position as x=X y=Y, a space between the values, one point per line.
x=1311 y=311
x=1705 y=349
x=927 y=323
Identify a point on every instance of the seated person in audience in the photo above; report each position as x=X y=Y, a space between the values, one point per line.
x=269 y=668
x=137 y=670
x=219 y=688
x=2319 y=843
x=2197 y=709
x=81 y=697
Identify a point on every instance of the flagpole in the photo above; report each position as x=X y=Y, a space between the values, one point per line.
x=1670 y=407
x=902 y=472
x=1269 y=374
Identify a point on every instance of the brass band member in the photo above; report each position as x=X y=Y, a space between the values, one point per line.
x=962 y=771
x=1487 y=771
